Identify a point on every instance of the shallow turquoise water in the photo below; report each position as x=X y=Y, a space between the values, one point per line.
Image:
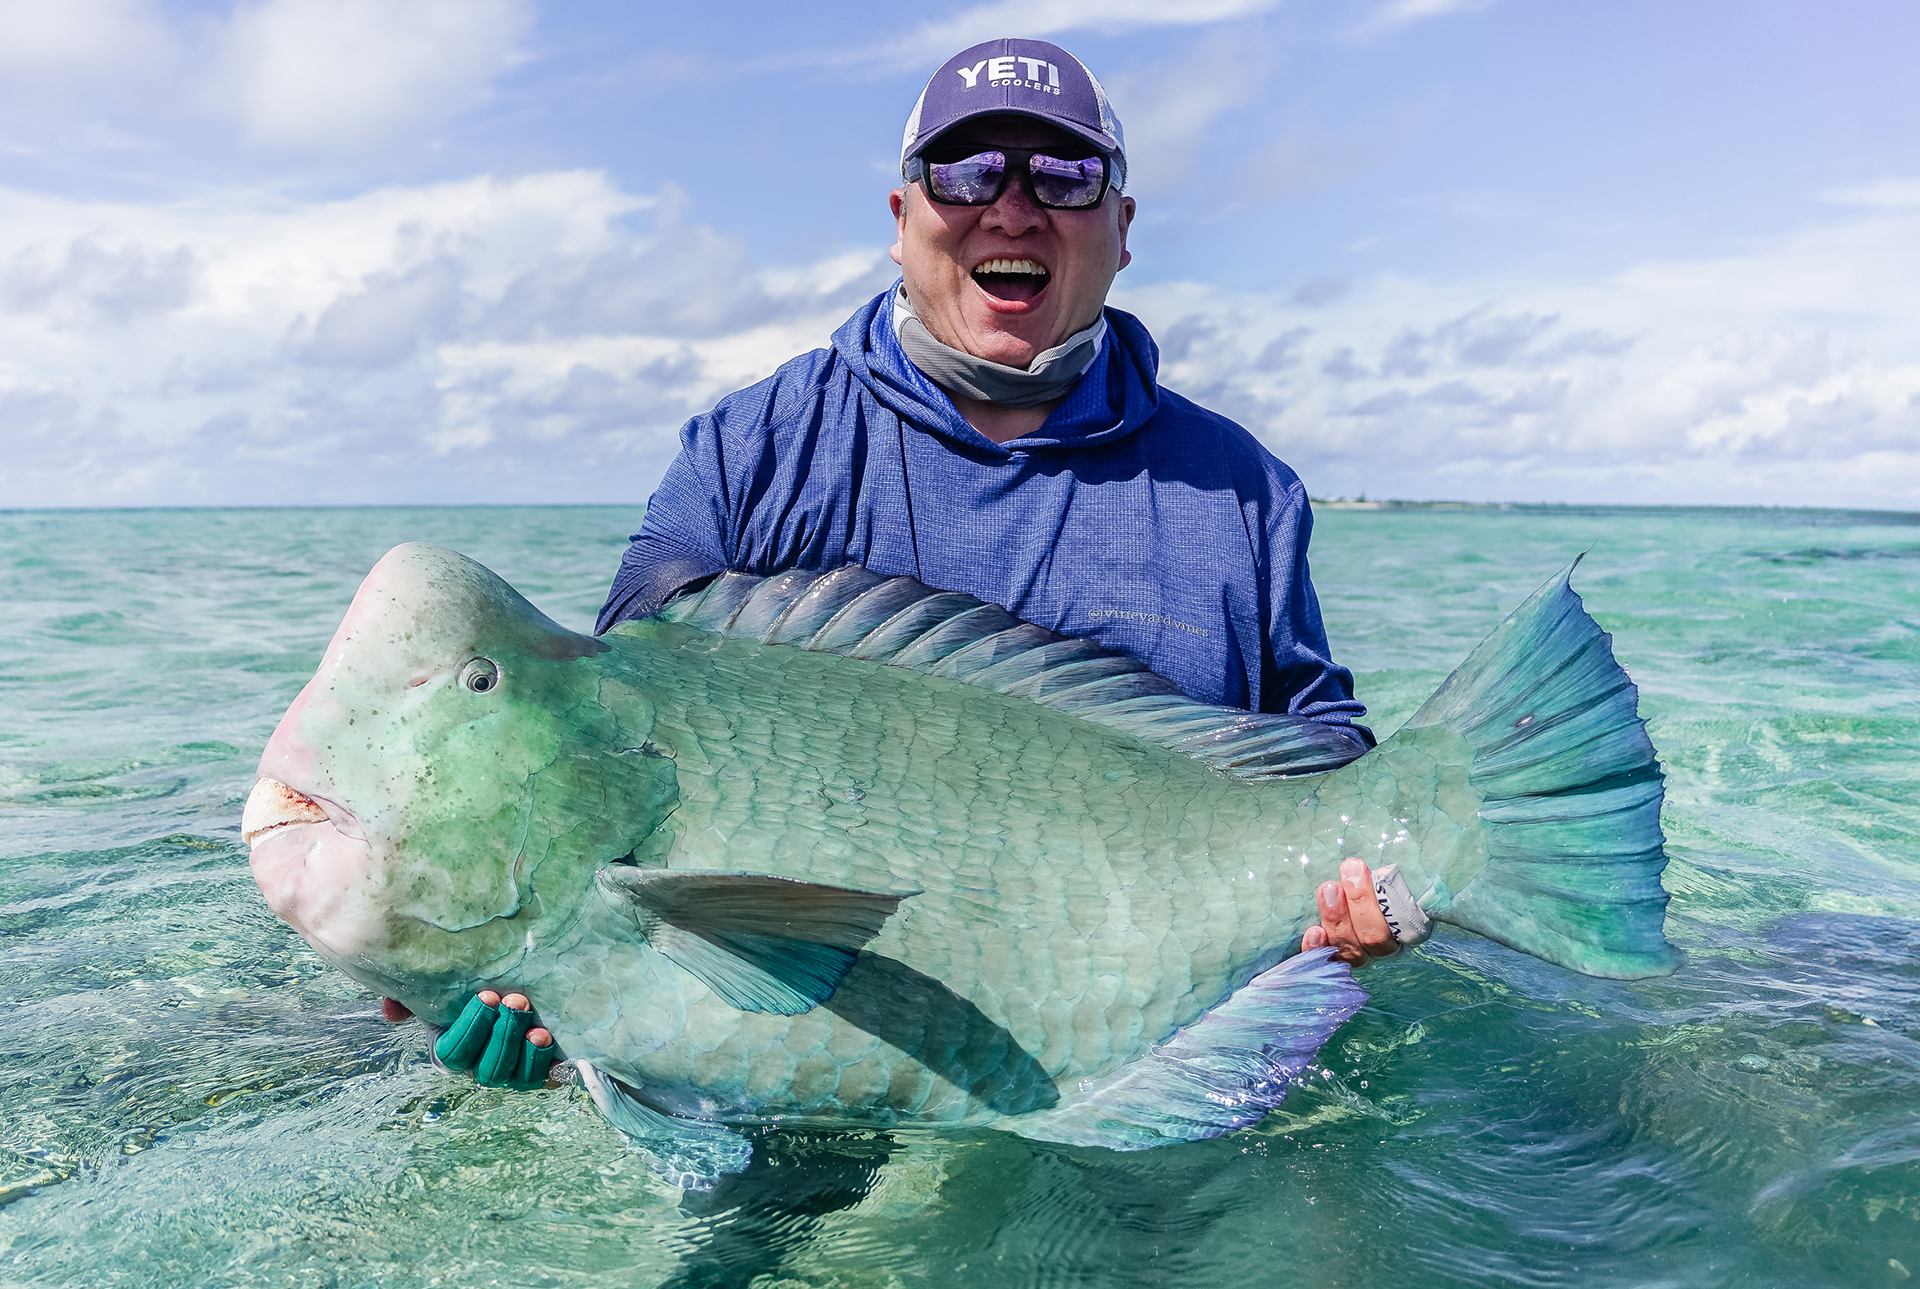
x=187 y=1096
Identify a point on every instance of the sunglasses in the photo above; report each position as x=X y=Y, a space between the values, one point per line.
x=1058 y=183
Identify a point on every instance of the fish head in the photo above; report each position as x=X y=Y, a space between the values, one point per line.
x=435 y=802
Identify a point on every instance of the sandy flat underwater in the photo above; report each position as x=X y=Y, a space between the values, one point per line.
x=189 y=1097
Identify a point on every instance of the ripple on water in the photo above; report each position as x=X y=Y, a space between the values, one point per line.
x=188 y=1095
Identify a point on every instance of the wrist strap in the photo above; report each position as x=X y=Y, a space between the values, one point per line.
x=1405 y=918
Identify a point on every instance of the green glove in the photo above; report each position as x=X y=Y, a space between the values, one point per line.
x=491 y=1040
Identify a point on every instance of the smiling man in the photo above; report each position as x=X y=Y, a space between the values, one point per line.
x=988 y=425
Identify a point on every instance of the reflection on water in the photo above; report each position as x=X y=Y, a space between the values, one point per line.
x=188 y=1096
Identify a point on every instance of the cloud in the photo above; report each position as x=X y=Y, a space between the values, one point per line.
x=49 y=43
x=1396 y=14
x=324 y=75
x=1888 y=194
x=944 y=37
x=537 y=338
x=1170 y=106
x=333 y=77
x=542 y=338
x=1786 y=374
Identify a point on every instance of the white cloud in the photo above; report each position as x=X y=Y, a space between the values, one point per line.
x=945 y=37
x=46 y=43
x=306 y=76
x=1888 y=194
x=1396 y=14
x=1169 y=106
x=1788 y=374
x=517 y=339
x=330 y=74
x=507 y=339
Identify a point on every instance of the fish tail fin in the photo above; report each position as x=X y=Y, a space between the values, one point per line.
x=1548 y=727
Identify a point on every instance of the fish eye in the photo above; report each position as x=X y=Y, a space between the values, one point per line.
x=480 y=675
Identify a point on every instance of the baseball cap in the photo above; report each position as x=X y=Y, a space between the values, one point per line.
x=1022 y=77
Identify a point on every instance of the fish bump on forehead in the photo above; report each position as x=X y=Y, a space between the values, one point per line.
x=425 y=607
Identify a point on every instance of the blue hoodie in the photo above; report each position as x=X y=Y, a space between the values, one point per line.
x=1133 y=516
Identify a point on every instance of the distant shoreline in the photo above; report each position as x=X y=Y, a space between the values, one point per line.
x=1318 y=503
x=1392 y=503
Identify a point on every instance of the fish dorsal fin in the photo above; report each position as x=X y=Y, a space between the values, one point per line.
x=903 y=622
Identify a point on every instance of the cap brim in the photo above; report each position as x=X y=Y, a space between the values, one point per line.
x=1098 y=138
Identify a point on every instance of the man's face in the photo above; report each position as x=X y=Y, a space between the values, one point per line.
x=1008 y=317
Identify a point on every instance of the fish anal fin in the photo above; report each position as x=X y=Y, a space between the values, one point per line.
x=689 y=1153
x=1219 y=1074
x=764 y=944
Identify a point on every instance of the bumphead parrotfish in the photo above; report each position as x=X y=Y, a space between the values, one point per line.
x=838 y=848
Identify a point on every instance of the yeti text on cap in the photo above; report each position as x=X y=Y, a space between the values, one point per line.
x=1000 y=72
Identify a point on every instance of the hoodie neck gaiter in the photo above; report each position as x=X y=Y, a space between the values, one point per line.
x=1048 y=377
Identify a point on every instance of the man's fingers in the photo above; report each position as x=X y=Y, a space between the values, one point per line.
x=490 y=998
x=1315 y=938
x=1363 y=910
x=1337 y=925
x=516 y=1002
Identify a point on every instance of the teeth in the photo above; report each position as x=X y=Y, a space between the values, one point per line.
x=1011 y=266
x=272 y=804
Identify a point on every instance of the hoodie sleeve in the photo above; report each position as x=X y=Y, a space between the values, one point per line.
x=685 y=536
x=1300 y=676
x=727 y=501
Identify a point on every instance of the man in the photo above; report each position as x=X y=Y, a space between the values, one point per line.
x=989 y=426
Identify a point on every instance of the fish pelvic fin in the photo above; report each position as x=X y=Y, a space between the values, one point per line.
x=1221 y=1073
x=1548 y=726
x=689 y=1153
x=764 y=944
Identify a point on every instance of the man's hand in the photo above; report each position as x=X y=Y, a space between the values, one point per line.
x=491 y=1038
x=1350 y=918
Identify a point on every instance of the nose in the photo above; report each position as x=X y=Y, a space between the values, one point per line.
x=1015 y=211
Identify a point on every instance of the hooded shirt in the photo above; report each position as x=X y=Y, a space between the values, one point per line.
x=1133 y=516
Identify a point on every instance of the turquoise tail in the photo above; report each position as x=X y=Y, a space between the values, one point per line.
x=1570 y=790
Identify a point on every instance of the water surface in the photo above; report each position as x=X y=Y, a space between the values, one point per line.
x=188 y=1095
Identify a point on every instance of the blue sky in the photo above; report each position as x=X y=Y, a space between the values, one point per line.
x=492 y=250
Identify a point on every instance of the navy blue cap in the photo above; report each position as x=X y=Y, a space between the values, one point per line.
x=1021 y=77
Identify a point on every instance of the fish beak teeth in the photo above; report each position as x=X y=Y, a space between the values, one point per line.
x=272 y=804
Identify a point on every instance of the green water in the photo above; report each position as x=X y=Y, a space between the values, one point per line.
x=188 y=1096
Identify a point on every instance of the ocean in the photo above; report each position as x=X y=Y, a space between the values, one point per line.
x=189 y=1096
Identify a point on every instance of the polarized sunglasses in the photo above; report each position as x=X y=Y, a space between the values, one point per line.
x=1058 y=183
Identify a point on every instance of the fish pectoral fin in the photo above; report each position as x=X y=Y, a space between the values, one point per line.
x=689 y=1153
x=764 y=944
x=1219 y=1074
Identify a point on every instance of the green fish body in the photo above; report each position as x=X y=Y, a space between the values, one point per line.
x=839 y=848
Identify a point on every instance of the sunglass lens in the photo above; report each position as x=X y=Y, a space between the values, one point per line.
x=1068 y=185
x=974 y=181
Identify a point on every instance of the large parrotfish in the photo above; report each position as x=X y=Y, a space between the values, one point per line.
x=839 y=848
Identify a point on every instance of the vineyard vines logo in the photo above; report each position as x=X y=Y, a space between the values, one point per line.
x=1000 y=72
x=1157 y=619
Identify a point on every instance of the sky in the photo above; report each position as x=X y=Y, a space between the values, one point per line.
x=451 y=251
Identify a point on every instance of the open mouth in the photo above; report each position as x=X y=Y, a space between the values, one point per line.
x=272 y=804
x=1015 y=281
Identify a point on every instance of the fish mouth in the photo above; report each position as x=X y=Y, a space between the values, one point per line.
x=315 y=873
x=1012 y=279
x=272 y=805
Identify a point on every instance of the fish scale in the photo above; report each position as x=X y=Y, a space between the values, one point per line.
x=843 y=848
x=962 y=765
